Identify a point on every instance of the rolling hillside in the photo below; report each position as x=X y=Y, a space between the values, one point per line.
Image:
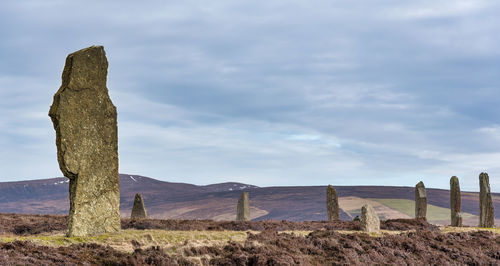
x=218 y=201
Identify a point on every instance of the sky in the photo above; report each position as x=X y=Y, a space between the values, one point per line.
x=269 y=93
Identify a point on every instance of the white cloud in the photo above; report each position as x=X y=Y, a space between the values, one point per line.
x=437 y=9
x=268 y=92
x=491 y=132
x=221 y=153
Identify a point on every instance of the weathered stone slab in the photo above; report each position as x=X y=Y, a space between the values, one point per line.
x=455 y=202
x=243 y=209
x=369 y=219
x=85 y=122
x=332 y=204
x=139 y=209
x=420 y=201
x=486 y=209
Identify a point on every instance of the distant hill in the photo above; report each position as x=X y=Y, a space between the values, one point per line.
x=218 y=201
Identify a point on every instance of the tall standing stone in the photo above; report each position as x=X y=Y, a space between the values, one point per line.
x=420 y=201
x=85 y=122
x=486 y=209
x=243 y=208
x=455 y=202
x=332 y=204
x=369 y=219
x=139 y=209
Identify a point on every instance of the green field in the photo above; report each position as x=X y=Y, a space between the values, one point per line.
x=171 y=241
x=434 y=213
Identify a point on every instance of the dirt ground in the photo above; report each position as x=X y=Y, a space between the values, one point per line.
x=329 y=247
x=23 y=224
x=27 y=253
x=322 y=247
x=26 y=224
x=423 y=244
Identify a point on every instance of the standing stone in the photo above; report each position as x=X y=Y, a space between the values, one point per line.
x=455 y=202
x=84 y=119
x=332 y=204
x=369 y=219
x=243 y=209
x=138 y=210
x=486 y=209
x=420 y=201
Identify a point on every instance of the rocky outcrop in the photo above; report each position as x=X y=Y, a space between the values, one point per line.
x=332 y=204
x=139 y=209
x=420 y=201
x=369 y=219
x=85 y=121
x=455 y=202
x=243 y=208
x=486 y=209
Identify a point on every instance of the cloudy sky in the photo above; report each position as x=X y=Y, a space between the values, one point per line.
x=266 y=92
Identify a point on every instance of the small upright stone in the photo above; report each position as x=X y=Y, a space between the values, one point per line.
x=486 y=209
x=332 y=204
x=139 y=209
x=455 y=202
x=85 y=122
x=243 y=208
x=420 y=201
x=369 y=219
